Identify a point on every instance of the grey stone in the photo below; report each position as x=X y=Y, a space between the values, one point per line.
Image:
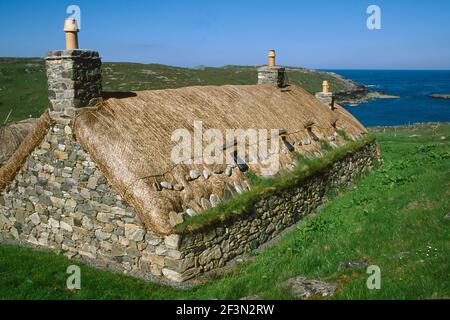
x=35 y=218
x=118 y=251
x=92 y=183
x=205 y=204
x=102 y=235
x=172 y=241
x=214 y=199
x=229 y=171
x=103 y=217
x=175 y=218
x=166 y=185
x=303 y=288
x=191 y=212
x=65 y=226
x=206 y=174
x=57 y=202
x=194 y=174
x=134 y=232
x=354 y=264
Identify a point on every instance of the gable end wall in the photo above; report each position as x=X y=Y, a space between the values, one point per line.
x=60 y=201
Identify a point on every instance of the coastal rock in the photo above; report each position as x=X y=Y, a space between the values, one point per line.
x=440 y=96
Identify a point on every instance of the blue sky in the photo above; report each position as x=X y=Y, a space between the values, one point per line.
x=327 y=34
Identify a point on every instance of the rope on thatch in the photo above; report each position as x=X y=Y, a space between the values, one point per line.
x=10 y=168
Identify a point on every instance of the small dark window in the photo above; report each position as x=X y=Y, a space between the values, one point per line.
x=288 y=145
x=239 y=162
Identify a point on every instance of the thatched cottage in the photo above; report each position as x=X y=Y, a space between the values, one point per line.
x=94 y=179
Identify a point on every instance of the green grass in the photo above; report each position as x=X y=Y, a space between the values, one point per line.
x=23 y=83
x=23 y=89
x=394 y=217
x=243 y=203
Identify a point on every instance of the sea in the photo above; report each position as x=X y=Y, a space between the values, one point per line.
x=414 y=104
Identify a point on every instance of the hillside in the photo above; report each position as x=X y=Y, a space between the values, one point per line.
x=23 y=81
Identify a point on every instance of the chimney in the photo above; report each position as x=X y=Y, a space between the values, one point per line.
x=71 y=30
x=326 y=97
x=325 y=87
x=271 y=58
x=272 y=74
x=74 y=76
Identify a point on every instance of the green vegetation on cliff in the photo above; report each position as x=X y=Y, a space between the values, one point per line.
x=23 y=83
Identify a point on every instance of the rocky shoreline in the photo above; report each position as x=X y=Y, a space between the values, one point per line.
x=361 y=95
x=358 y=93
x=440 y=96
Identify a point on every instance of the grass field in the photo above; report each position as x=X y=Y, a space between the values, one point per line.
x=23 y=83
x=397 y=218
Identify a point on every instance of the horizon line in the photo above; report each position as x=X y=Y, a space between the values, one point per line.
x=256 y=65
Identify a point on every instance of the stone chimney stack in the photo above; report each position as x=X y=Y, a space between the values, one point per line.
x=326 y=97
x=74 y=76
x=272 y=74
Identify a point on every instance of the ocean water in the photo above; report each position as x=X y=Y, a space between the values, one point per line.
x=413 y=87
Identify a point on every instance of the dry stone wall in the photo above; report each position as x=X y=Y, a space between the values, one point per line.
x=62 y=202
x=272 y=75
x=211 y=249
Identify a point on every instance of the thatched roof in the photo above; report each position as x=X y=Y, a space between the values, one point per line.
x=129 y=138
x=11 y=136
x=15 y=161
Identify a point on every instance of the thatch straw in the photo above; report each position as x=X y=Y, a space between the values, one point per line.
x=11 y=136
x=130 y=138
x=29 y=143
